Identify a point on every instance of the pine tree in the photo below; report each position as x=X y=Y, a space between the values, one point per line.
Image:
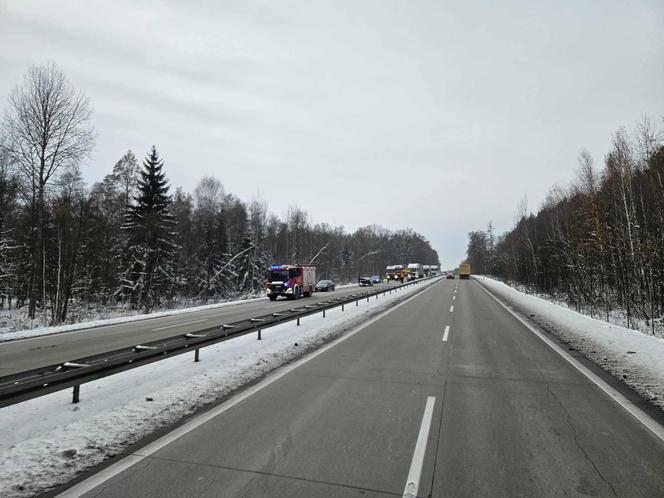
x=148 y=260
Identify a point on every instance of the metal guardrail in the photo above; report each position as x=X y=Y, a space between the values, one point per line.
x=48 y=379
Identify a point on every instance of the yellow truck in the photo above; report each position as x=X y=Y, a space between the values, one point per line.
x=464 y=270
x=397 y=273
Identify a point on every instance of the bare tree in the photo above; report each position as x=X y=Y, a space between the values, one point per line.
x=586 y=175
x=47 y=126
x=209 y=194
x=600 y=243
x=125 y=174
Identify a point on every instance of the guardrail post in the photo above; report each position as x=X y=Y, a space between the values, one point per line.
x=155 y=352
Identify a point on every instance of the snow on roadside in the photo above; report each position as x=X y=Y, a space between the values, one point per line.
x=615 y=316
x=632 y=356
x=47 y=441
x=40 y=331
x=22 y=334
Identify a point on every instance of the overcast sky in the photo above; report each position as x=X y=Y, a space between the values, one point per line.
x=434 y=115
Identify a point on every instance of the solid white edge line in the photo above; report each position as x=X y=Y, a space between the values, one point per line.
x=645 y=419
x=415 y=472
x=447 y=332
x=452 y=309
x=111 y=471
x=180 y=324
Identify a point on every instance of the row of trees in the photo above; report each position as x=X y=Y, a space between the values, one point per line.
x=599 y=244
x=129 y=240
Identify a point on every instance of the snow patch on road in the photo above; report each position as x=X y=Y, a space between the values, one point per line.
x=632 y=356
x=47 y=441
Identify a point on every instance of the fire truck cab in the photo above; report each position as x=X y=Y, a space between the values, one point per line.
x=291 y=281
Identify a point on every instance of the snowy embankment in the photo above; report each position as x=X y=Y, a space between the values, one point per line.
x=632 y=356
x=37 y=331
x=47 y=441
x=8 y=332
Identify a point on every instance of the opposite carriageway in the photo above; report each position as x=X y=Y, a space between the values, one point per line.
x=33 y=383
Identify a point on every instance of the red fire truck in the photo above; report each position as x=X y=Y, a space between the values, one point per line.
x=292 y=281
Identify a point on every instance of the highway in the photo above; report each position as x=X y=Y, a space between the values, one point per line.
x=447 y=394
x=26 y=354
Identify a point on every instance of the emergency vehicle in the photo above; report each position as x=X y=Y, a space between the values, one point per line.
x=292 y=281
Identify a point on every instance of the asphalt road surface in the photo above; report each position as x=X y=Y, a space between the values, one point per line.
x=407 y=406
x=27 y=354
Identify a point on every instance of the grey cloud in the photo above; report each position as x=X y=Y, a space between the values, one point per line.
x=460 y=107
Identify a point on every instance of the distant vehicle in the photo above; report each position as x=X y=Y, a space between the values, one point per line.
x=434 y=269
x=375 y=279
x=464 y=270
x=395 y=273
x=365 y=281
x=450 y=276
x=325 y=286
x=291 y=281
x=427 y=270
x=416 y=271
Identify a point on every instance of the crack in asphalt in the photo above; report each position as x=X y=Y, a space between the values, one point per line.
x=274 y=474
x=568 y=418
x=134 y=469
x=439 y=436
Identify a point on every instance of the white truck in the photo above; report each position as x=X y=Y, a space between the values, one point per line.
x=416 y=271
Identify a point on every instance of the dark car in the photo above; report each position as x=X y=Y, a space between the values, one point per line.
x=365 y=281
x=375 y=279
x=325 y=286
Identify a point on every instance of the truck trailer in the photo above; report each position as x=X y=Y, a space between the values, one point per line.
x=464 y=270
x=416 y=271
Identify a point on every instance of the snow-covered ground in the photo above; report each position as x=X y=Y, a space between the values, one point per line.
x=6 y=333
x=14 y=324
x=47 y=441
x=615 y=316
x=632 y=356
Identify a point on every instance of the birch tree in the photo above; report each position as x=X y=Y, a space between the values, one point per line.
x=46 y=127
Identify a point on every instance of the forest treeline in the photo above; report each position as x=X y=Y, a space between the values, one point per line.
x=598 y=244
x=130 y=239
